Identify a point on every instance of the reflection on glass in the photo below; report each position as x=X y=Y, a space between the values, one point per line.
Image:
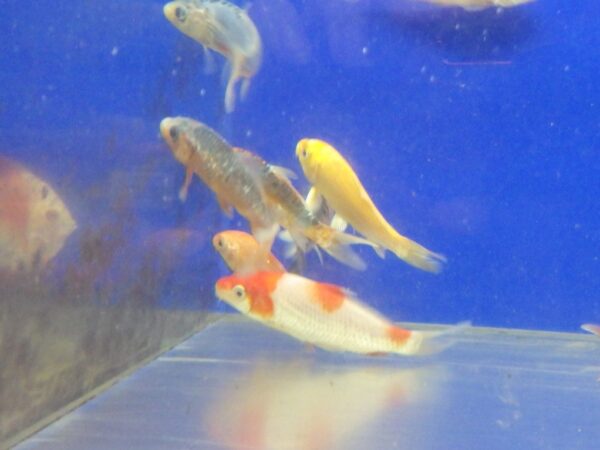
x=87 y=291
x=296 y=406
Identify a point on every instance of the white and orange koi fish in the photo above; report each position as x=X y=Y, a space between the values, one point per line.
x=591 y=328
x=321 y=314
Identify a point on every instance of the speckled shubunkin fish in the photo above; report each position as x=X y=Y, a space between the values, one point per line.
x=321 y=314
x=293 y=214
x=205 y=153
x=333 y=179
x=225 y=28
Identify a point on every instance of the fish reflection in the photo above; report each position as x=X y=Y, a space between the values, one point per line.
x=295 y=406
x=34 y=221
x=476 y=5
x=225 y=28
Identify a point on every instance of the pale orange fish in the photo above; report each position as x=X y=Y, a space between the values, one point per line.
x=595 y=329
x=322 y=314
x=225 y=28
x=34 y=221
x=241 y=253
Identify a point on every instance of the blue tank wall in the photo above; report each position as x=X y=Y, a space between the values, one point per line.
x=477 y=134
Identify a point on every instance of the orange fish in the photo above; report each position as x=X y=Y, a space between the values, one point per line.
x=595 y=329
x=240 y=251
x=321 y=314
x=34 y=221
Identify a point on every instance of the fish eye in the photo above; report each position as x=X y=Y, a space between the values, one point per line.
x=239 y=291
x=181 y=14
x=220 y=242
x=304 y=153
x=174 y=133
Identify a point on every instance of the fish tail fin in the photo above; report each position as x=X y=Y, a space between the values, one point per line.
x=591 y=328
x=425 y=343
x=338 y=245
x=418 y=256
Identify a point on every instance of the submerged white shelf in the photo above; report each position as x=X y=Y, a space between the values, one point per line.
x=238 y=385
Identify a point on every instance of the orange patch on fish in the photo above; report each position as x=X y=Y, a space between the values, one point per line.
x=398 y=335
x=259 y=287
x=329 y=296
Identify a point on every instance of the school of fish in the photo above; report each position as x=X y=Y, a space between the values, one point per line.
x=260 y=286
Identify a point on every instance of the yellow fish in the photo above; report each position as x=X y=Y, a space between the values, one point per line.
x=334 y=180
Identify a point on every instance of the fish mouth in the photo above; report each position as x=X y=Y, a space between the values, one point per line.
x=169 y=10
x=165 y=127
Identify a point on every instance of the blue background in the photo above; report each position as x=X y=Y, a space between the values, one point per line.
x=476 y=134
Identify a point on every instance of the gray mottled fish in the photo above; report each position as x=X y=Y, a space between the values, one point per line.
x=292 y=213
x=225 y=28
x=205 y=153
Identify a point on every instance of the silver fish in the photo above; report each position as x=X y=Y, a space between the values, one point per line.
x=225 y=28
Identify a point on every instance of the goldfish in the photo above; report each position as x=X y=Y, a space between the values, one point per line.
x=321 y=314
x=225 y=28
x=595 y=329
x=239 y=249
x=476 y=5
x=205 y=153
x=34 y=220
x=293 y=214
x=333 y=179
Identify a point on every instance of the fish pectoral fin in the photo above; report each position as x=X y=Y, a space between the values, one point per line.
x=209 y=61
x=380 y=250
x=314 y=200
x=230 y=89
x=183 y=191
x=338 y=223
x=339 y=248
x=244 y=88
x=265 y=235
x=225 y=206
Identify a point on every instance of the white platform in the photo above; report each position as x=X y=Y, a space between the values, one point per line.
x=238 y=385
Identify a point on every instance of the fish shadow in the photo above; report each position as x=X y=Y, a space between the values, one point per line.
x=489 y=34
